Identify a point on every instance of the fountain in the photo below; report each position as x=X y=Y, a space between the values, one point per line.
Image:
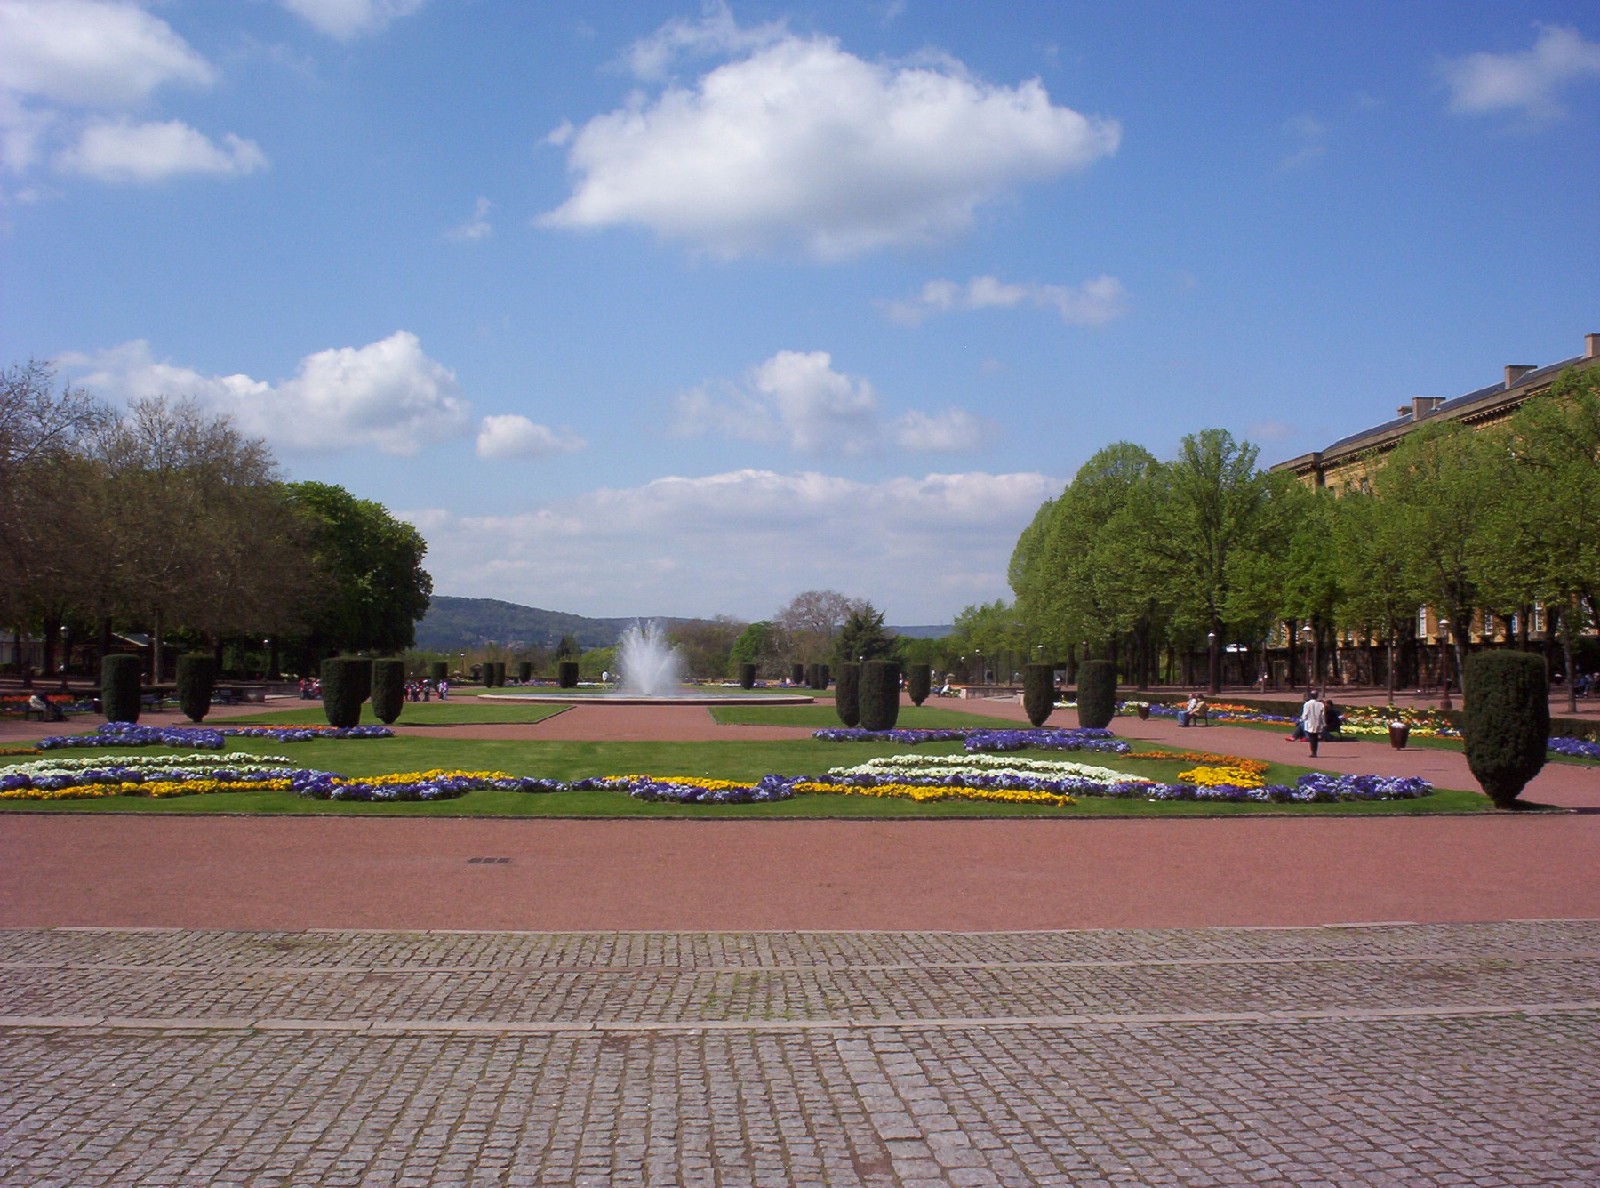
x=650 y=672
x=651 y=667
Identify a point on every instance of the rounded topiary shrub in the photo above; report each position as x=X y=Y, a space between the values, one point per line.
x=1097 y=693
x=197 y=681
x=823 y=677
x=797 y=675
x=919 y=682
x=1039 y=693
x=1506 y=725
x=567 y=674
x=119 y=688
x=388 y=689
x=847 y=694
x=346 y=680
x=879 y=697
x=747 y=675
x=524 y=671
x=438 y=670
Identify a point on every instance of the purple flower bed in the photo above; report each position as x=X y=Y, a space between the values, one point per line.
x=986 y=739
x=1575 y=748
x=200 y=738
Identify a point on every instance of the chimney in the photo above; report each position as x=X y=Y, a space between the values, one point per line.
x=1422 y=406
x=1515 y=371
x=1591 y=346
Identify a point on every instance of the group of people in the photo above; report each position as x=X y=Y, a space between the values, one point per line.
x=1318 y=719
x=311 y=690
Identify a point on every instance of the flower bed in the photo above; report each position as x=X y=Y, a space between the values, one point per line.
x=143 y=775
x=1575 y=748
x=987 y=738
x=211 y=738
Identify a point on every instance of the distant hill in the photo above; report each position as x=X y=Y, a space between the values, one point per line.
x=453 y=624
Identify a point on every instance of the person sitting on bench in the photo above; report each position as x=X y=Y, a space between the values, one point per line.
x=47 y=710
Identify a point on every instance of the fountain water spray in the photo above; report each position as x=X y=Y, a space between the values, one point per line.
x=650 y=666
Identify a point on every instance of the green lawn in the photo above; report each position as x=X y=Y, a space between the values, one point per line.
x=725 y=760
x=821 y=716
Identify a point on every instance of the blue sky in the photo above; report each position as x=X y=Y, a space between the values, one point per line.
x=669 y=309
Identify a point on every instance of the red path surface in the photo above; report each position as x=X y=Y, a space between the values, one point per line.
x=243 y=872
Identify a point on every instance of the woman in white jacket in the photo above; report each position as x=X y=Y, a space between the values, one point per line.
x=1313 y=719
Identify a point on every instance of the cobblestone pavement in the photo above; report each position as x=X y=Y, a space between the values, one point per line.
x=1383 y=1054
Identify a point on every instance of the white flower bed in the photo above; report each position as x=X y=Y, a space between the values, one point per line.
x=199 y=762
x=949 y=766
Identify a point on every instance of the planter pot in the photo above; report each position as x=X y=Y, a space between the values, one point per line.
x=1398 y=733
x=1143 y=711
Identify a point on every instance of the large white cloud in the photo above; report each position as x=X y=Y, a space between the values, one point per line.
x=1529 y=81
x=388 y=395
x=64 y=63
x=1095 y=302
x=92 y=53
x=349 y=19
x=744 y=543
x=120 y=151
x=800 y=144
x=797 y=400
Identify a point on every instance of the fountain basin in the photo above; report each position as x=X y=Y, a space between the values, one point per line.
x=622 y=698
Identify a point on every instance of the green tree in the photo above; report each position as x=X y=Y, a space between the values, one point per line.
x=366 y=572
x=862 y=637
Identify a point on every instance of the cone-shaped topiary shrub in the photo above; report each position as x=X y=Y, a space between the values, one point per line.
x=119 y=688
x=524 y=671
x=388 y=689
x=1097 y=693
x=1506 y=726
x=567 y=674
x=747 y=675
x=847 y=694
x=797 y=675
x=919 y=682
x=197 y=680
x=1039 y=692
x=879 y=697
x=438 y=670
x=346 y=681
x=823 y=677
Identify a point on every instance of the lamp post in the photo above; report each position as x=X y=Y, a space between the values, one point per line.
x=977 y=662
x=63 y=656
x=1308 y=635
x=266 y=659
x=1211 y=662
x=1444 y=664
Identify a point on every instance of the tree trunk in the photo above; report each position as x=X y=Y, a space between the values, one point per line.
x=1569 y=616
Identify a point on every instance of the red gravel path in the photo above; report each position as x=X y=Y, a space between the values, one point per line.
x=92 y=870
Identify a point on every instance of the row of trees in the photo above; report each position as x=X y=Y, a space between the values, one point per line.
x=167 y=521
x=1139 y=555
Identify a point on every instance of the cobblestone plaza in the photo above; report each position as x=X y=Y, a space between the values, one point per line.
x=1375 y=1054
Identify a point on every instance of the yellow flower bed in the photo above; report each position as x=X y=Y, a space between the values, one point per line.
x=1206 y=759
x=923 y=792
x=1233 y=775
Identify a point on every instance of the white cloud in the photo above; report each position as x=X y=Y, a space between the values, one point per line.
x=92 y=53
x=802 y=145
x=715 y=33
x=797 y=400
x=514 y=436
x=1529 y=81
x=57 y=56
x=118 y=151
x=1093 y=303
x=387 y=395
x=478 y=226
x=920 y=549
x=346 y=20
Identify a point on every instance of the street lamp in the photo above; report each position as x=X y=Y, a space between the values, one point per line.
x=63 y=655
x=1308 y=635
x=266 y=659
x=1211 y=662
x=1444 y=664
x=977 y=662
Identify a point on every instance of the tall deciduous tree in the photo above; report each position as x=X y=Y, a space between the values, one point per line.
x=810 y=622
x=366 y=571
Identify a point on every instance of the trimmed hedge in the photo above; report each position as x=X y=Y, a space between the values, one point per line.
x=1097 y=693
x=197 y=681
x=388 y=689
x=847 y=694
x=567 y=674
x=1039 y=692
x=919 y=682
x=1506 y=726
x=346 y=681
x=119 y=688
x=747 y=675
x=879 y=695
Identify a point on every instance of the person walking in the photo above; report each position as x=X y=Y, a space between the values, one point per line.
x=1313 y=719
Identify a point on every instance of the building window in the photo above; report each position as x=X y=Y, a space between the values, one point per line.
x=1536 y=620
x=1422 y=622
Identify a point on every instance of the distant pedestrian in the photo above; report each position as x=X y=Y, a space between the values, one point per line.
x=1313 y=720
